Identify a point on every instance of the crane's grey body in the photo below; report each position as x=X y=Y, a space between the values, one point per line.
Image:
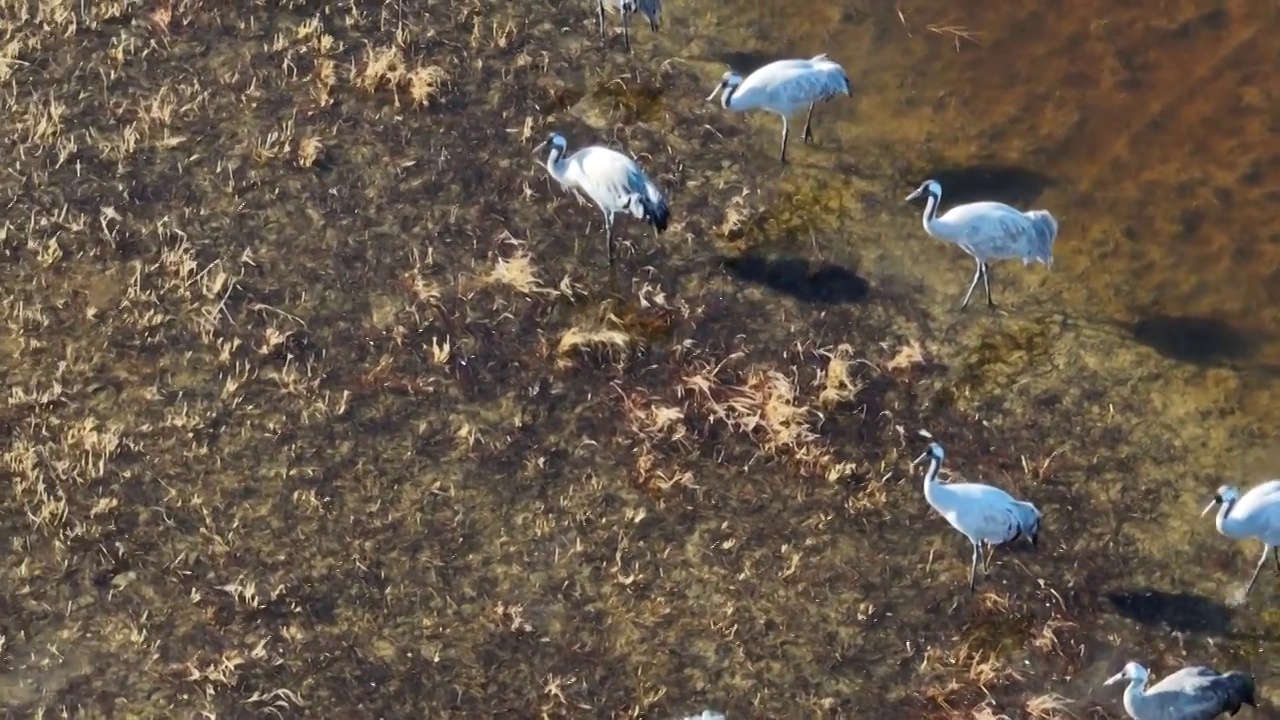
x=1256 y=514
x=1193 y=693
x=651 y=9
x=784 y=88
x=982 y=513
x=989 y=231
x=613 y=181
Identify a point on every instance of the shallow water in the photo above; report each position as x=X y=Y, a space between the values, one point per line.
x=1150 y=135
x=1152 y=128
x=360 y=469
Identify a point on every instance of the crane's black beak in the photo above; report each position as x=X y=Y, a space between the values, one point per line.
x=538 y=149
x=914 y=195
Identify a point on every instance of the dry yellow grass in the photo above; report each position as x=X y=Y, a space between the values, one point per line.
x=839 y=382
x=1050 y=706
x=290 y=418
x=599 y=338
x=518 y=273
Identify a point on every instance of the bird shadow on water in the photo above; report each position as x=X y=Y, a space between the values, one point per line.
x=1182 y=612
x=1203 y=341
x=1008 y=184
x=1197 y=340
x=1200 y=340
x=821 y=284
x=1175 y=611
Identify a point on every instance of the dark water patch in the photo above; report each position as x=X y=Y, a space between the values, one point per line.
x=817 y=284
x=1009 y=184
x=1177 y=611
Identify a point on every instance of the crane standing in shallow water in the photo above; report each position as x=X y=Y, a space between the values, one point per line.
x=783 y=88
x=1193 y=693
x=982 y=513
x=1256 y=514
x=651 y=9
x=613 y=181
x=989 y=231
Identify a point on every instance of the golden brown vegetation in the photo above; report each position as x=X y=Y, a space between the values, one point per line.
x=312 y=408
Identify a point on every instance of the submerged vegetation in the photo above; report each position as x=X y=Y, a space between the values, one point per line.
x=320 y=400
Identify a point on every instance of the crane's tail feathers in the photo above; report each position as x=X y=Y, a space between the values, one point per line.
x=1240 y=691
x=657 y=214
x=651 y=207
x=1044 y=230
x=819 y=58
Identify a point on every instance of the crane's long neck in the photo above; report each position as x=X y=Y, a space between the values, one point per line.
x=1134 y=695
x=1226 y=522
x=726 y=96
x=930 y=212
x=931 y=478
x=556 y=164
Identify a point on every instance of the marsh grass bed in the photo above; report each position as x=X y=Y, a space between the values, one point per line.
x=321 y=401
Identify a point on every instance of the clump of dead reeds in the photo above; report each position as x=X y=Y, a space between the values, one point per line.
x=949 y=674
x=603 y=337
x=739 y=217
x=386 y=68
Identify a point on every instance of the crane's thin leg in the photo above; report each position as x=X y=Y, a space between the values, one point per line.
x=1261 y=562
x=626 y=30
x=986 y=283
x=977 y=274
x=808 y=134
x=973 y=566
x=600 y=14
x=1275 y=552
x=785 y=133
x=608 y=236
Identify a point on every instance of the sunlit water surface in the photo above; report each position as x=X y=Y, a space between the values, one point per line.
x=1150 y=133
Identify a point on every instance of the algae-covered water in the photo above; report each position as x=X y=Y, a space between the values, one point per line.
x=321 y=400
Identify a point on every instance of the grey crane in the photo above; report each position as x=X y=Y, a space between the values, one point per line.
x=1255 y=514
x=982 y=513
x=1193 y=693
x=613 y=181
x=989 y=231
x=784 y=88
x=651 y=9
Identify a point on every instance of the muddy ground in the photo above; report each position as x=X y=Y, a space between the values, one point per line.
x=321 y=400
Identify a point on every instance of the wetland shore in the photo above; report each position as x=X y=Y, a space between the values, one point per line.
x=322 y=402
